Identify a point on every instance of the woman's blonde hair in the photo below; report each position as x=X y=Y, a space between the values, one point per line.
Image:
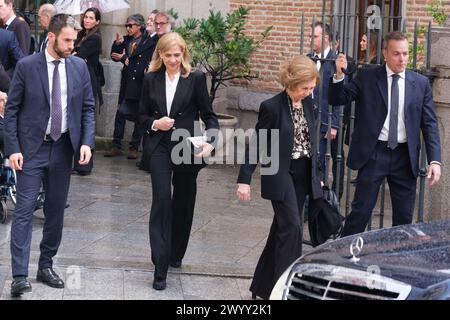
x=298 y=70
x=166 y=43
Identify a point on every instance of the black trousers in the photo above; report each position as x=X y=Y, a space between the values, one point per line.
x=284 y=243
x=171 y=213
x=384 y=163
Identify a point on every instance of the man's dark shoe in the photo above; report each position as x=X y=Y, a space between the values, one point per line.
x=19 y=286
x=113 y=152
x=50 y=278
x=159 y=284
x=175 y=264
x=132 y=153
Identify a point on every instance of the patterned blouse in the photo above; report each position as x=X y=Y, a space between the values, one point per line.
x=302 y=141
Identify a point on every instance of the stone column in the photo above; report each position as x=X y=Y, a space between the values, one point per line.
x=437 y=199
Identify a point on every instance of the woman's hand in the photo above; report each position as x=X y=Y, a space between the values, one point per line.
x=164 y=124
x=243 y=192
x=206 y=147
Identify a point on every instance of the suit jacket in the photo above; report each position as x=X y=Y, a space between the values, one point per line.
x=28 y=107
x=327 y=70
x=22 y=31
x=190 y=102
x=370 y=89
x=10 y=51
x=4 y=79
x=274 y=113
x=133 y=74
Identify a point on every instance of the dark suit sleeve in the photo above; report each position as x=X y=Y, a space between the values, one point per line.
x=145 y=114
x=341 y=93
x=429 y=126
x=4 y=79
x=22 y=31
x=12 y=109
x=91 y=46
x=14 y=51
x=265 y=121
x=203 y=103
x=118 y=48
x=88 y=109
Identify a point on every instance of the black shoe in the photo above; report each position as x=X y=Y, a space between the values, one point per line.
x=50 y=278
x=19 y=286
x=159 y=284
x=176 y=264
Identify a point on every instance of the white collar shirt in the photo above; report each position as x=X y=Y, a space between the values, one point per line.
x=63 y=82
x=171 y=88
x=401 y=129
x=10 y=20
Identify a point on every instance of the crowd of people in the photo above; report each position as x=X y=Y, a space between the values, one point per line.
x=49 y=133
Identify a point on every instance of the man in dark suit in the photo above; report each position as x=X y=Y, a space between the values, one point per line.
x=326 y=69
x=395 y=105
x=10 y=51
x=13 y=23
x=135 y=51
x=49 y=114
x=45 y=13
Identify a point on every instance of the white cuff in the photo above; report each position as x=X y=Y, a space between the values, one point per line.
x=153 y=126
x=335 y=80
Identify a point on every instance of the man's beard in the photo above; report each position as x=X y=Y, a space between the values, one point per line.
x=60 y=53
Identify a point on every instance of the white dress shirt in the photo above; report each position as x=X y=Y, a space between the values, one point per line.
x=325 y=53
x=401 y=130
x=7 y=23
x=63 y=82
x=171 y=87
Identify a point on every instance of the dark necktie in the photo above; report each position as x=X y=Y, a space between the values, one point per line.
x=393 y=118
x=55 y=127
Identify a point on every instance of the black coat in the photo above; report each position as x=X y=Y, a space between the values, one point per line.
x=133 y=74
x=90 y=50
x=274 y=113
x=4 y=79
x=22 y=31
x=190 y=102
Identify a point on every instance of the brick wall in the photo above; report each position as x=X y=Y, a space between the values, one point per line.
x=284 y=39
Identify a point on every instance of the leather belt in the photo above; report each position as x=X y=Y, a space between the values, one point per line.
x=48 y=138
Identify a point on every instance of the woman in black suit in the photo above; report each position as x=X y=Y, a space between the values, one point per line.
x=172 y=100
x=88 y=46
x=290 y=120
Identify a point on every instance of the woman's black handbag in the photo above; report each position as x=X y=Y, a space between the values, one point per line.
x=324 y=219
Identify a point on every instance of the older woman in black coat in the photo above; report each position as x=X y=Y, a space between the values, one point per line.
x=289 y=118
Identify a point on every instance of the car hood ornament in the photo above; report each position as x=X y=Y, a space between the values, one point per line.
x=356 y=248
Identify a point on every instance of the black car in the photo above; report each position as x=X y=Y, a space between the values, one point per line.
x=398 y=263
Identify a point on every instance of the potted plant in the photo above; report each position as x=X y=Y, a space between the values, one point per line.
x=220 y=47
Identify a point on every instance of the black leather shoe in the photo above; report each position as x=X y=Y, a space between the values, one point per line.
x=159 y=284
x=19 y=286
x=176 y=264
x=50 y=278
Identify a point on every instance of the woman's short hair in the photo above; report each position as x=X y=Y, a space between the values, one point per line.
x=298 y=70
x=165 y=43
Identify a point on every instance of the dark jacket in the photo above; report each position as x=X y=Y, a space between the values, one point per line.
x=10 y=51
x=4 y=79
x=274 y=113
x=190 y=102
x=370 y=89
x=28 y=108
x=22 y=31
x=327 y=70
x=90 y=50
x=133 y=74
